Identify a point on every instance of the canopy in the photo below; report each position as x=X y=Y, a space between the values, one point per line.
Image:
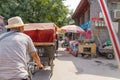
x=40 y=26
x=72 y=28
x=41 y=32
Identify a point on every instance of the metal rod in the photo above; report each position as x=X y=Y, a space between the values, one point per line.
x=113 y=35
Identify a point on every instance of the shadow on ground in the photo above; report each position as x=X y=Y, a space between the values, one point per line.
x=94 y=66
x=43 y=74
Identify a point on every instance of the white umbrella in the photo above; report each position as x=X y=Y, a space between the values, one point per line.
x=72 y=28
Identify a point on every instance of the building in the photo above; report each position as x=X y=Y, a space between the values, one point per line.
x=88 y=14
x=2 y=24
x=82 y=13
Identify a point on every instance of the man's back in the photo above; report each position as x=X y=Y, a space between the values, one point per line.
x=13 y=56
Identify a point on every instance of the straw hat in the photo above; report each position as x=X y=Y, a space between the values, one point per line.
x=15 y=22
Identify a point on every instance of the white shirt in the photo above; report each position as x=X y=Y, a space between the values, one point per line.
x=13 y=55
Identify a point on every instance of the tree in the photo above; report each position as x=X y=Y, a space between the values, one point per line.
x=36 y=11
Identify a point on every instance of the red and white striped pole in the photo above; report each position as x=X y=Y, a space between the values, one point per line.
x=113 y=35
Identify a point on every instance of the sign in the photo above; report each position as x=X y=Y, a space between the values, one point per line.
x=95 y=18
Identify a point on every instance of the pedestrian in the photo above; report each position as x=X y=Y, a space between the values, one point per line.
x=14 y=48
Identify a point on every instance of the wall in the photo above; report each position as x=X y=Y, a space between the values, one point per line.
x=2 y=24
x=116 y=6
x=102 y=31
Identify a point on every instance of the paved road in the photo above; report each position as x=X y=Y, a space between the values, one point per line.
x=68 y=67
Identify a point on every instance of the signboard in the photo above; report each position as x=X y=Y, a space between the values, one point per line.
x=95 y=18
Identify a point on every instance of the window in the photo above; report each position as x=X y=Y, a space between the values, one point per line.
x=116 y=5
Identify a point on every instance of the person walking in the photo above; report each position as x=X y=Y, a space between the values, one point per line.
x=14 y=48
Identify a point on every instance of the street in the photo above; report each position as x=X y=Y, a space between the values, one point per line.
x=68 y=67
x=60 y=39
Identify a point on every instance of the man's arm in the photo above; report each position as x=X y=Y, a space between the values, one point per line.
x=37 y=59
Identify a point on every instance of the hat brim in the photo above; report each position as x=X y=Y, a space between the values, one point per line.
x=14 y=25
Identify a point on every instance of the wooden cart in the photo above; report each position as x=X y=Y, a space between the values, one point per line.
x=87 y=49
x=46 y=53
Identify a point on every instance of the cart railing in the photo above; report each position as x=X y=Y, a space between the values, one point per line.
x=43 y=43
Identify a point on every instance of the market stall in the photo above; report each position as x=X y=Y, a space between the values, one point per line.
x=87 y=48
x=72 y=33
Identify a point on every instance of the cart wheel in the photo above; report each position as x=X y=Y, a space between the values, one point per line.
x=86 y=56
x=32 y=69
x=75 y=53
x=51 y=64
x=109 y=55
x=94 y=55
x=29 y=78
x=82 y=54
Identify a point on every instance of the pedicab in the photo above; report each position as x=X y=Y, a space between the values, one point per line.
x=106 y=50
x=44 y=39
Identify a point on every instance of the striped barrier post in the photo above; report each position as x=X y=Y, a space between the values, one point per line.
x=112 y=33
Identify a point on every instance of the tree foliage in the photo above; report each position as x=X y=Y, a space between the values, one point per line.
x=35 y=11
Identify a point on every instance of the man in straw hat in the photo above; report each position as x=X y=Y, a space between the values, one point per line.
x=14 y=47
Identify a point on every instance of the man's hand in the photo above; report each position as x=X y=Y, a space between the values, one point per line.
x=40 y=66
x=37 y=60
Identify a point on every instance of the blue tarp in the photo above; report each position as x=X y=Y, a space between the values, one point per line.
x=85 y=25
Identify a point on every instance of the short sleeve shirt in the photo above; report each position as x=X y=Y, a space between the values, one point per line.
x=13 y=55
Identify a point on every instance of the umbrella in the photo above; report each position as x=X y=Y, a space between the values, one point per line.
x=72 y=28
